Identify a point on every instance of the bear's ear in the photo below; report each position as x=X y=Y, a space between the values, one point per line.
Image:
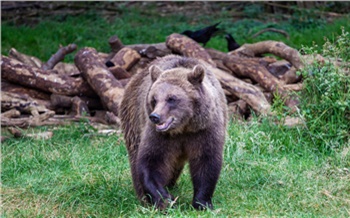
x=155 y=72
x=197 y=75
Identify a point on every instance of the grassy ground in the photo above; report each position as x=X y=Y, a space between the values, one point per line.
x=269 y=170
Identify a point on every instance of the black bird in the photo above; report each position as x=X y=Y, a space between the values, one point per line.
x=231 y=43
x=202 y=35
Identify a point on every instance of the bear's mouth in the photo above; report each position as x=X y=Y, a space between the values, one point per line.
x=162 y=127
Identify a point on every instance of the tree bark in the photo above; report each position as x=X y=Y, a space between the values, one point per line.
x=100 y=78
x=188 y=47
x=58 y=56
x=48 y=81
x=274 y=47
x=26 y=59
x=125 y=58
x=245 y=91
x=244 y=67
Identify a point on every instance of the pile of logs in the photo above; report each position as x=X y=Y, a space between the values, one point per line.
x=34 y=93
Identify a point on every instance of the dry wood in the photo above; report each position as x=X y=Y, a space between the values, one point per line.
x=153 y=52
x=271 y=30
x=188 y=47
x=119 y=73
x=244 y=67
x=39 y=120
x=26 y=59
x=160 y=48
x=48 y=81
x=79 y=107
x=115 y=43
x=274 y=47
x=23 y=103
x=21 y=90
x=245 y=91
x=291 y=76
x=58 y=56
x=125 y=58
x=18 y=133
x=62 y=101
x=100 y=79
x=238 y=109
x=293 y=121
x=294 y=87
x=12 y=113
x=67 y=69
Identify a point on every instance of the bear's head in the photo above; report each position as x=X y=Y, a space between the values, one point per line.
x=174 y=96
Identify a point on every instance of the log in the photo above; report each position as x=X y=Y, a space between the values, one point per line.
x=245 y=91
x=125 y=58
x=244 y=67
x=79 y=107
x=188 y=47
x=62 y=101
x=67 y=69
x=58 y=56
x=294 y=87
x=145 y=50
x=271 y=30
x=100 y=79
x=26 y=59
x=23 y=103
x=115 y=43
x=274 y=47
x=39 y=120
x=153 y=52
x=158 y=48
x=119 y=73
x=21 y=90
x=13 y=113
x=238 y=109
x=47 y=81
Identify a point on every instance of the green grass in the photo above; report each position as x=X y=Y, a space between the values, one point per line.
x=269 y=170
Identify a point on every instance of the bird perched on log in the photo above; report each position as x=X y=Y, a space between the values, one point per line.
x=231 y=43
x=202 y=35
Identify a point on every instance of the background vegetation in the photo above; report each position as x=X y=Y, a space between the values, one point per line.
x=269 y=169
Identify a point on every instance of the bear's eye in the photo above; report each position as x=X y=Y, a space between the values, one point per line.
x=171 y=99
x=153 y=102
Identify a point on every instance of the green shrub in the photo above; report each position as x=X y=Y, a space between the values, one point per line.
x=326 y=96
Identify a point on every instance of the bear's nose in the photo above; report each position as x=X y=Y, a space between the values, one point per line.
x=155 y=118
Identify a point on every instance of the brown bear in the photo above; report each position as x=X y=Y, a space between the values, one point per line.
x=173 y=112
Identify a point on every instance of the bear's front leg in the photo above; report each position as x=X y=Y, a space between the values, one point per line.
x=153 y=179
x=205 y=172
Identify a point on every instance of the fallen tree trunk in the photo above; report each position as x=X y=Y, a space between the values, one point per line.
x=245 y=91
x=48 y=81
x=244 y=67
x=21 y=90
x=26 y=59
x=274 y=47
x=188 y=47
x=100 y=78
x=23 y=103
x=125 y=58
x=62 y=101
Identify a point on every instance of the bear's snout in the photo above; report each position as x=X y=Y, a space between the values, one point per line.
x=155 y=118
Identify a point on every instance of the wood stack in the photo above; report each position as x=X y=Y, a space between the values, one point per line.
x=34 y=93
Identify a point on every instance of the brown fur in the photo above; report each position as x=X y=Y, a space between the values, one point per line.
x=173 y=112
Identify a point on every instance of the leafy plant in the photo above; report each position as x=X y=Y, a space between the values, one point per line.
x=326 y=96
